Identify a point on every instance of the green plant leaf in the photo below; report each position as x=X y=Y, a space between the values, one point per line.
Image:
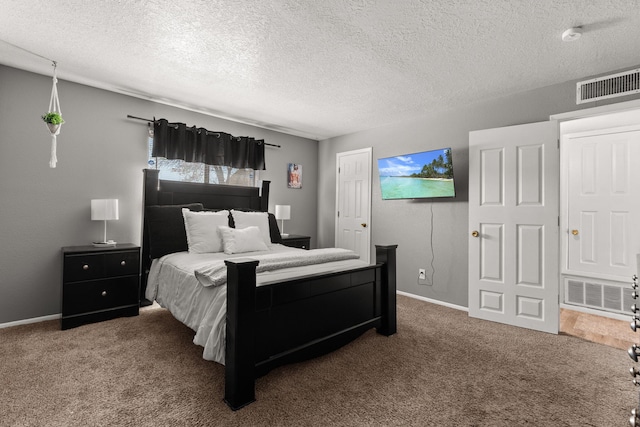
x=53 y=117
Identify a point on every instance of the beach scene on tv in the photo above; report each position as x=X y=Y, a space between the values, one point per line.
x=420 y=175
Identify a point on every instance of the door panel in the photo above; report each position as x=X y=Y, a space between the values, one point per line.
x=529 y=256
x=492 y=252
x=513 y=203
x=530 y=175
x=491 y=177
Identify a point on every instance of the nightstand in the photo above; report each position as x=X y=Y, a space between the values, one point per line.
x=297 y=241
x=99 y=283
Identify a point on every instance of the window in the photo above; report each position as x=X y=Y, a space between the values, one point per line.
x=179 y=170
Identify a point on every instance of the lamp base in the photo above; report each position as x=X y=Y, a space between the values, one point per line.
x=104 y=244
x=284 y=234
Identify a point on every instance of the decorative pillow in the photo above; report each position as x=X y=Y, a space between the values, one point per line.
x=256 y=219
x=274 y=230
x=239 y=240
x=165 y=228
x=202 y=230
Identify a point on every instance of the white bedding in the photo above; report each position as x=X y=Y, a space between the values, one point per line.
x=173 y=284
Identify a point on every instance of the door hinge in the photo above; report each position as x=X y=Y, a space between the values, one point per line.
x=558 y=143
x=558 y=221
x=338 y=214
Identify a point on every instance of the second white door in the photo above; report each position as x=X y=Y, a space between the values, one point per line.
x=353 y=202
x=603 y=203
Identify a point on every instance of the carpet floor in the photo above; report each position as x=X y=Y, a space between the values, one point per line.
x=442 y=368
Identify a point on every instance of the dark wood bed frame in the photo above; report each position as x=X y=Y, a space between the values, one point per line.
x=285 y=322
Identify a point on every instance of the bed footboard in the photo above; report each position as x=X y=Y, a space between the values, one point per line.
x=300 y=318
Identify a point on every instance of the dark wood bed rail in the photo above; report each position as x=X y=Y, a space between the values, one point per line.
x=295 y=320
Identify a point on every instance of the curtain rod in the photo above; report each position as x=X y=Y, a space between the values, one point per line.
x=129 y=116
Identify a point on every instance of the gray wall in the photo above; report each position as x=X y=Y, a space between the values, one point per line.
x=408 y=223
x=101 y=154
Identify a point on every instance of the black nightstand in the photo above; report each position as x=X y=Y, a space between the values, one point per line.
x=297 y=241
x=99 y=283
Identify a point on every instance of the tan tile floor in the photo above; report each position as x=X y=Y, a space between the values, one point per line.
x=603 y=330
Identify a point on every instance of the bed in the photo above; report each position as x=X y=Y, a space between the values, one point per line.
x=253 y=320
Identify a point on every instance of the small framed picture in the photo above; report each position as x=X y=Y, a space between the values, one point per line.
x=294 y=175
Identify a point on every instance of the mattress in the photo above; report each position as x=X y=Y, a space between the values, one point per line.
x=174 y=286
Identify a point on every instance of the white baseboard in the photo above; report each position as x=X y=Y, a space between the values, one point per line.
x=28 y=321
x=433 y=301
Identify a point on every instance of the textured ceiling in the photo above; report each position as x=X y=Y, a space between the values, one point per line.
x=319 y=68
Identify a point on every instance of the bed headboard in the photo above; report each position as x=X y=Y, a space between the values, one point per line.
x=158 y=192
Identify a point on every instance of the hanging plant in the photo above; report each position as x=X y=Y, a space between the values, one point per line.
x=53 y=121
x=53 y=118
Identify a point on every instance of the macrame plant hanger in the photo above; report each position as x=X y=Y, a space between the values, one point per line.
x=54 y=107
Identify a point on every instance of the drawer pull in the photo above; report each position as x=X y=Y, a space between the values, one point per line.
x=123 y=263
x=85 y=267
x=104 y=293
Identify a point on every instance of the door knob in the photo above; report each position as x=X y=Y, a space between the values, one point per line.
x=474 y=233
x=364 y=224
x=574 y=232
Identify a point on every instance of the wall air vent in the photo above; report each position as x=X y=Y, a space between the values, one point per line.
x=614 y=297
x=612 y=86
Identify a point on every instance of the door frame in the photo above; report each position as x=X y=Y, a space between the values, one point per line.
x=577 y=121
x=369 y=152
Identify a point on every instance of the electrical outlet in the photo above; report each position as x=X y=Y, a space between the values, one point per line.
x=422 y=274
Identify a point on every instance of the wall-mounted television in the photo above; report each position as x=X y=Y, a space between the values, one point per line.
x=423 y=175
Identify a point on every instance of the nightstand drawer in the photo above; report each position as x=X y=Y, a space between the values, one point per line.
x=121 y=263
x=297 y=241
x=82 y=297
x=83 y=267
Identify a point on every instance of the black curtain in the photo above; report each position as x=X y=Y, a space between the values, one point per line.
x=191 y=144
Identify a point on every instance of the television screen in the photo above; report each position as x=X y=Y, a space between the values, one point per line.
x=428 y=174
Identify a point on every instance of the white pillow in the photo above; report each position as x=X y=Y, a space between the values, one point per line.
x=257 y=219
x=239 y=240
x=202 y=230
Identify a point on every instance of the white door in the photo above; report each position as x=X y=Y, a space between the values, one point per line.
x=353 y=202
x=603 y=203
x=513 y=225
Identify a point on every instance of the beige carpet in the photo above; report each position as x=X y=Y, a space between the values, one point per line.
x=441 y=369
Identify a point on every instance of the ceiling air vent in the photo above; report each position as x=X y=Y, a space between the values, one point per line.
x=612 y=86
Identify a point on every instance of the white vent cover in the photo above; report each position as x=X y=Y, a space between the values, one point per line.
x=612 y=86
x=612 y=297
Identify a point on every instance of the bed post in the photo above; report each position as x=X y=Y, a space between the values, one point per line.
x=149 y=198
x=264 y=196
x=387 y=256
x=239 y=387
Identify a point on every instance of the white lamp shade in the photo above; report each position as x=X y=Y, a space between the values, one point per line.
x=283 y=212
x=104 y=209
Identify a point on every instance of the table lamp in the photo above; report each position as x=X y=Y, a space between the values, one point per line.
x=104 y=210
x=283 y=212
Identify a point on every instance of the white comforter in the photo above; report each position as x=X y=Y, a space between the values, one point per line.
x=173 y=284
